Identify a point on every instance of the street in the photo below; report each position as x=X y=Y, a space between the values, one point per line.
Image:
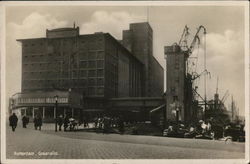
x=48 y=144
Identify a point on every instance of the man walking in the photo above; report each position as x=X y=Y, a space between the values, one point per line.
x=25 y=121
x=60 y=122
x=13 y=121
x=38 y=122
x=66 y=123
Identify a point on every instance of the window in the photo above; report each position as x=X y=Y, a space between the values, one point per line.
x=177 y=63
x=100 y=81
x=92 y=55
x=100 y=72
x=92 y=64
x=83 y=82
x=100 y=64
x=177 y=66
x=177 y=80
x=83 y=64
x=175 y=98
x=100 y=91
x=91 y=91
x=91 y=82
x=100 y=55
x=83 y=73
x=172 y=89
x=74 y=74
x=92 y=73
x=83 y=56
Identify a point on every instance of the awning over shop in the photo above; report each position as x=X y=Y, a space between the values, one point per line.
x=158 y=108
x=93 y=110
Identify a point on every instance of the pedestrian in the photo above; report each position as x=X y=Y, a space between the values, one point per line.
x=13 y=121
x=60 y=122
x=85 y=122
x=96 y=121
x=38 y=122
x=25 y=121
x=66 y=123
x=121 y=125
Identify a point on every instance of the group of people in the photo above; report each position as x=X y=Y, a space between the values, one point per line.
x=204 y=130
x=66 y=122
x=105 y=123
x=13 y=120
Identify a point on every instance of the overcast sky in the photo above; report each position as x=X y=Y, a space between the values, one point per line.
x=224 y=48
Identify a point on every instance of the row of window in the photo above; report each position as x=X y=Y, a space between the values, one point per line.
x=45 y=55
x=88 y=54
x=83 y=63
x=91 y=55
x=61 y=64
x=77 y=82
x=92 y=64
x=33 y=44
x=42 y=100
x=63 y=74
x=64 y=42
x=86 y=41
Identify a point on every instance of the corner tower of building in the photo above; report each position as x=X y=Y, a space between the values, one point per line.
x=176 y=73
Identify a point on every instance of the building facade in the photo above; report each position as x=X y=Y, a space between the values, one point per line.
x=88 y=71
x=139 y=41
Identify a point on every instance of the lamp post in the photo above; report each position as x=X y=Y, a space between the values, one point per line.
x=177 y=114
x=56 y=101
x=177 y=110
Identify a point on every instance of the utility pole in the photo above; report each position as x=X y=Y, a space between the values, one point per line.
x=232 y=108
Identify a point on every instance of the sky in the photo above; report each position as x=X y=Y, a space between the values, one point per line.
x=224 y=38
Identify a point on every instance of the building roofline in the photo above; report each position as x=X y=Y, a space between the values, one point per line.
x=141 y=23
x=62 y=29
x=136 y=98
x=20 y=40
x=131 y=54
x=157 y=62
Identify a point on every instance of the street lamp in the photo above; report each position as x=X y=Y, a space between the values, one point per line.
x=56 y=101
x=177 y=114
x=177 y=110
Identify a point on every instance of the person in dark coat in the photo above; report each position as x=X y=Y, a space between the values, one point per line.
x=66 y=123
x=25 y=121
x=38 y=122
x=60 y=122
x=121 y=125
x=13 y=121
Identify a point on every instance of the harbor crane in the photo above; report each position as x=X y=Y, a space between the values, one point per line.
x=188 y=50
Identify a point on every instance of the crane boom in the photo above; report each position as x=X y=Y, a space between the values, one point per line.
x=183 y=40
x=196 y=38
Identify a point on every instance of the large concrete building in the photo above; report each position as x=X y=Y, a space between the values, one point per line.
x=89 y=73
x=139 y=40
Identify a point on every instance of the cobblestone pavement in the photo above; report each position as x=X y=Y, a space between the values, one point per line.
x=47 y=144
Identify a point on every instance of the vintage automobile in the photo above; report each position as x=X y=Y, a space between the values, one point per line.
x=175 y=131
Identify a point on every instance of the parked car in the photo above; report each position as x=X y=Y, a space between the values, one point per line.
x=175 y=131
